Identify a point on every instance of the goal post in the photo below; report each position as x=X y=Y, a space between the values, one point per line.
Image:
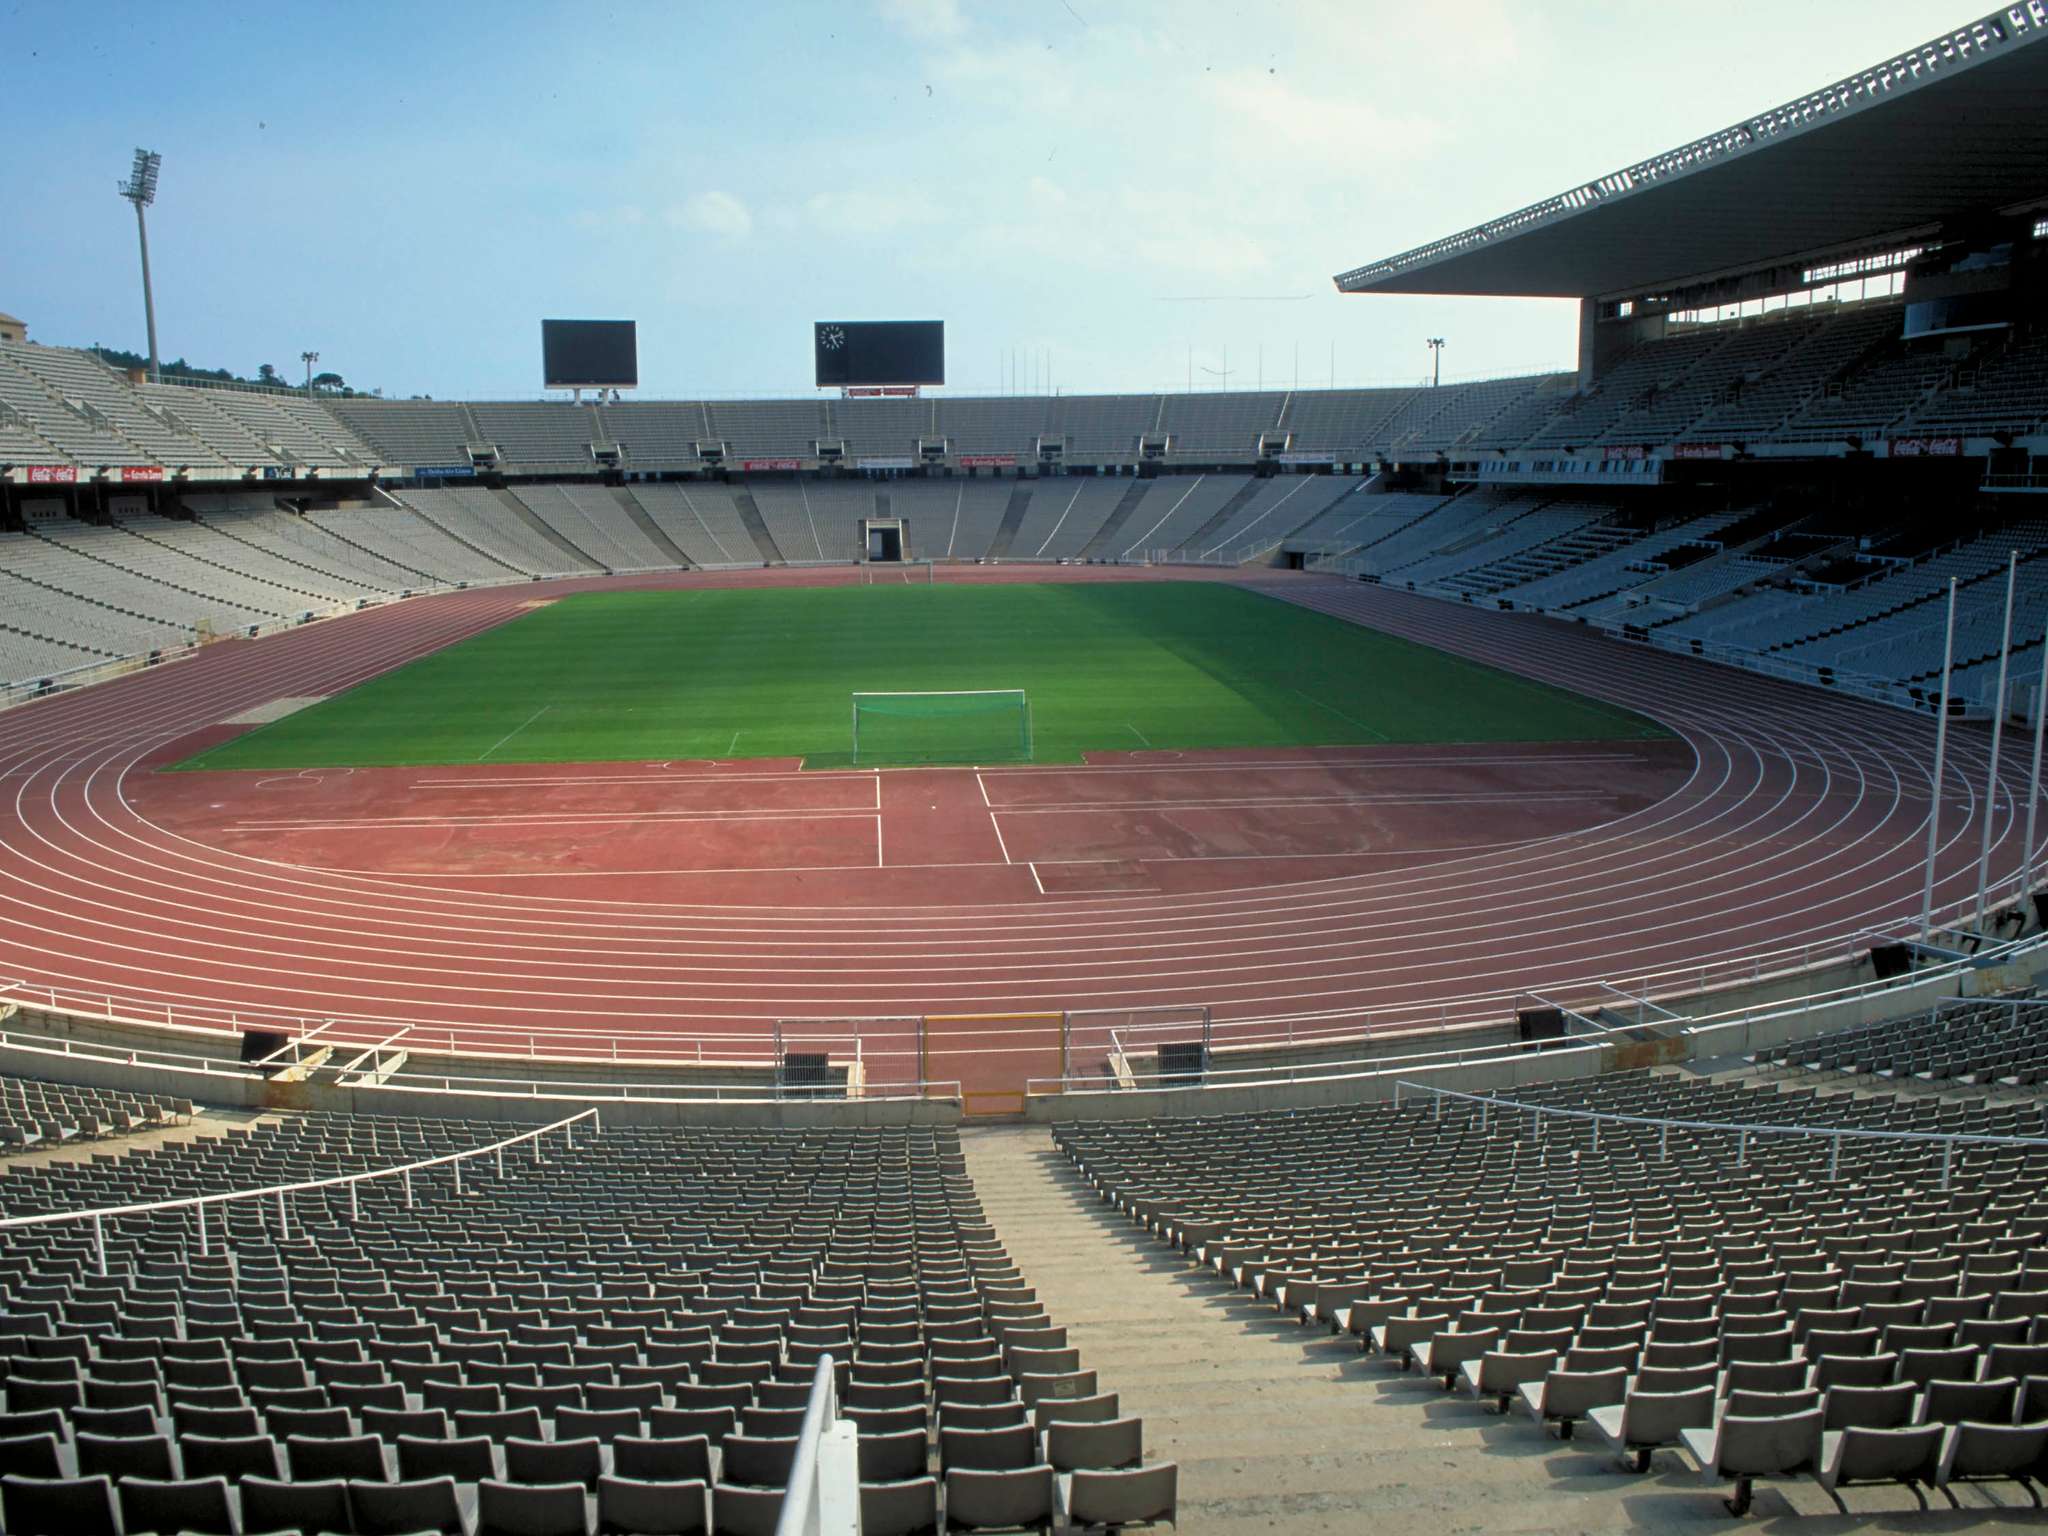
x=977 y=725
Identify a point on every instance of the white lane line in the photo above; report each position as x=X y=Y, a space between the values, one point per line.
x=1096 y=807
x=1033 y=867
x=982 y=784
x=729 y=751
x=1341 y=715
x=1136 y=732
x=538 y=820
x=999 y=836
x=522 y=725
x=880 y=863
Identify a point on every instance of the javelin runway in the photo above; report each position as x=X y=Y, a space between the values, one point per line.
x=1384 y=886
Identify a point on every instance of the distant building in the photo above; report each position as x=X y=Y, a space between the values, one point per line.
x=12 y=329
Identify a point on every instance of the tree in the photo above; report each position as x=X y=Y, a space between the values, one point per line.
x=267 y=374
x=329 y=381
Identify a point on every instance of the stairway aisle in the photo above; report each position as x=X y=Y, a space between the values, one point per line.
x=1279 y=1428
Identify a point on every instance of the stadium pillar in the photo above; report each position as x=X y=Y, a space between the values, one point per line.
x=1948 y=653
x=2012 y=576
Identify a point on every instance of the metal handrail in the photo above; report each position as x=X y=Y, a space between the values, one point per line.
x=824 y=1480
x=1742 y=1130
x=98 y=1215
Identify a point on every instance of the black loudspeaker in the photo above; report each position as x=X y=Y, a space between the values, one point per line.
x=1538 y=1026
x=2041 y=909
x=259 y=1043
x=1890 y=960
x=806 y=1074
x=1183 y=1061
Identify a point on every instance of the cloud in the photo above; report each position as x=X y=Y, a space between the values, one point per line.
x=926 y=20
x=714 y=213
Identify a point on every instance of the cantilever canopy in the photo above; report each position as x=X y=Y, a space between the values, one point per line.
x=1955 y=127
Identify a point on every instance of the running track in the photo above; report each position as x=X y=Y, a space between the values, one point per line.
x=1800 y=824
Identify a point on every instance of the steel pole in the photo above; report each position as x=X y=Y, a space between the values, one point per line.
x=2034 y=774
x=148 y=300
x=2012 y=576
x=1948 y=649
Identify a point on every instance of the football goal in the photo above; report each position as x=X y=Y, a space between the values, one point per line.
x=981 y=725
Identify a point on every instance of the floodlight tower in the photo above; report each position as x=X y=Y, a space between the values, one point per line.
x=140 y=189
x=1436 y=361
x=309 y=359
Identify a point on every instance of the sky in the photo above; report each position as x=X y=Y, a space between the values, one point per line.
x=1094 y=195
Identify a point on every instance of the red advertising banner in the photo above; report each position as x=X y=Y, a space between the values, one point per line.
x=881 y=392
x=52 y=474
x=752 y=464
x=986 y=460
x=1698 y=450
x=1927 y=447
x=133 y=473
x=1626 y=451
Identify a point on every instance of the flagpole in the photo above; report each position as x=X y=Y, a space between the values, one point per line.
x=2012 y=576
x=2034 y=774
x=1948 y=651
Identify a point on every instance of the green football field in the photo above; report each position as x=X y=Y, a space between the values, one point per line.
x=770 y=672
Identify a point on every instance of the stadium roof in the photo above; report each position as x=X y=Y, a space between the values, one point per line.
x=1951 y=127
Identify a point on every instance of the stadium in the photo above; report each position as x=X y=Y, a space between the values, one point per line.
x=894 y=959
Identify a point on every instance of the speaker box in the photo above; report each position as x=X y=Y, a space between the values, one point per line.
x=259 y=1043
x=1890 y=960
x=1183 y=1061
x=1538 y=1026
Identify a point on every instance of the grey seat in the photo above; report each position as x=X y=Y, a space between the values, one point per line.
x=737 y=1511
x=235 y=1458
x=892 y=1458
x=1982 y=1402
x=1889 y=1407
x=1975 y=1453
x=124 y=1456
x=398 y=1509
x=198 y=1504
x=757 y=1461
x=1645 y=1422
x=58 y=1506
x=1909 y=1454
x=271 y=1505
x=30 y=1456
x=1563 y=1397
x=899 y=1507
x=989 y=1450
x=1020 y=1498
x=554 y=1461
x=1745 y=1448
x=360 y=1458
x=1138 y=1496
x=643 y=1508
x=467 y=1460
x=530 y=1509
x=1111 y=1443
x=682 y=1458
x=1499 y=1375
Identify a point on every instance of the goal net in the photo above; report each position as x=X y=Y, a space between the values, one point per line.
x=984 y=725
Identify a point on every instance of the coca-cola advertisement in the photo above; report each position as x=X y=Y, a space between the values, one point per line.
x=52 y=474
x=760 y=464
x=1927 y=447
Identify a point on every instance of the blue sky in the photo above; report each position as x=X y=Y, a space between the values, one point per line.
x=1095 y=194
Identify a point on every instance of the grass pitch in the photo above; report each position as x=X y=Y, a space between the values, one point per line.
x=769 y=672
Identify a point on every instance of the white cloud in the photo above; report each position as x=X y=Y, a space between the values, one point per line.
x=714 y=213
x=926 y=20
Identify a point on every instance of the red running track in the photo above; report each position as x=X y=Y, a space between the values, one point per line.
x=1790 y=822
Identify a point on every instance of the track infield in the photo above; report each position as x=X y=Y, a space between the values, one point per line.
x=715 y=674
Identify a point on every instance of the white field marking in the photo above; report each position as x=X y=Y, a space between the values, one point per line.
x=1033 y=867
x=530 y=782
x=1341 y=715
x=522 y=725
x=1098 y=807
x=729 y=751
x=1136 y=732
x=1063 y=518
x=593 y=819
x=879 y=862
x=997 y=824
x=1299 y=765
x=981 y=784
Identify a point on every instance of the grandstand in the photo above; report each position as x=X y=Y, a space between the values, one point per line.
x=1471 y=1128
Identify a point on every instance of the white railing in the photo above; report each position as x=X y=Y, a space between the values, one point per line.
x=1741 y=1130
x=824 y=1478
x=100 y=1215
